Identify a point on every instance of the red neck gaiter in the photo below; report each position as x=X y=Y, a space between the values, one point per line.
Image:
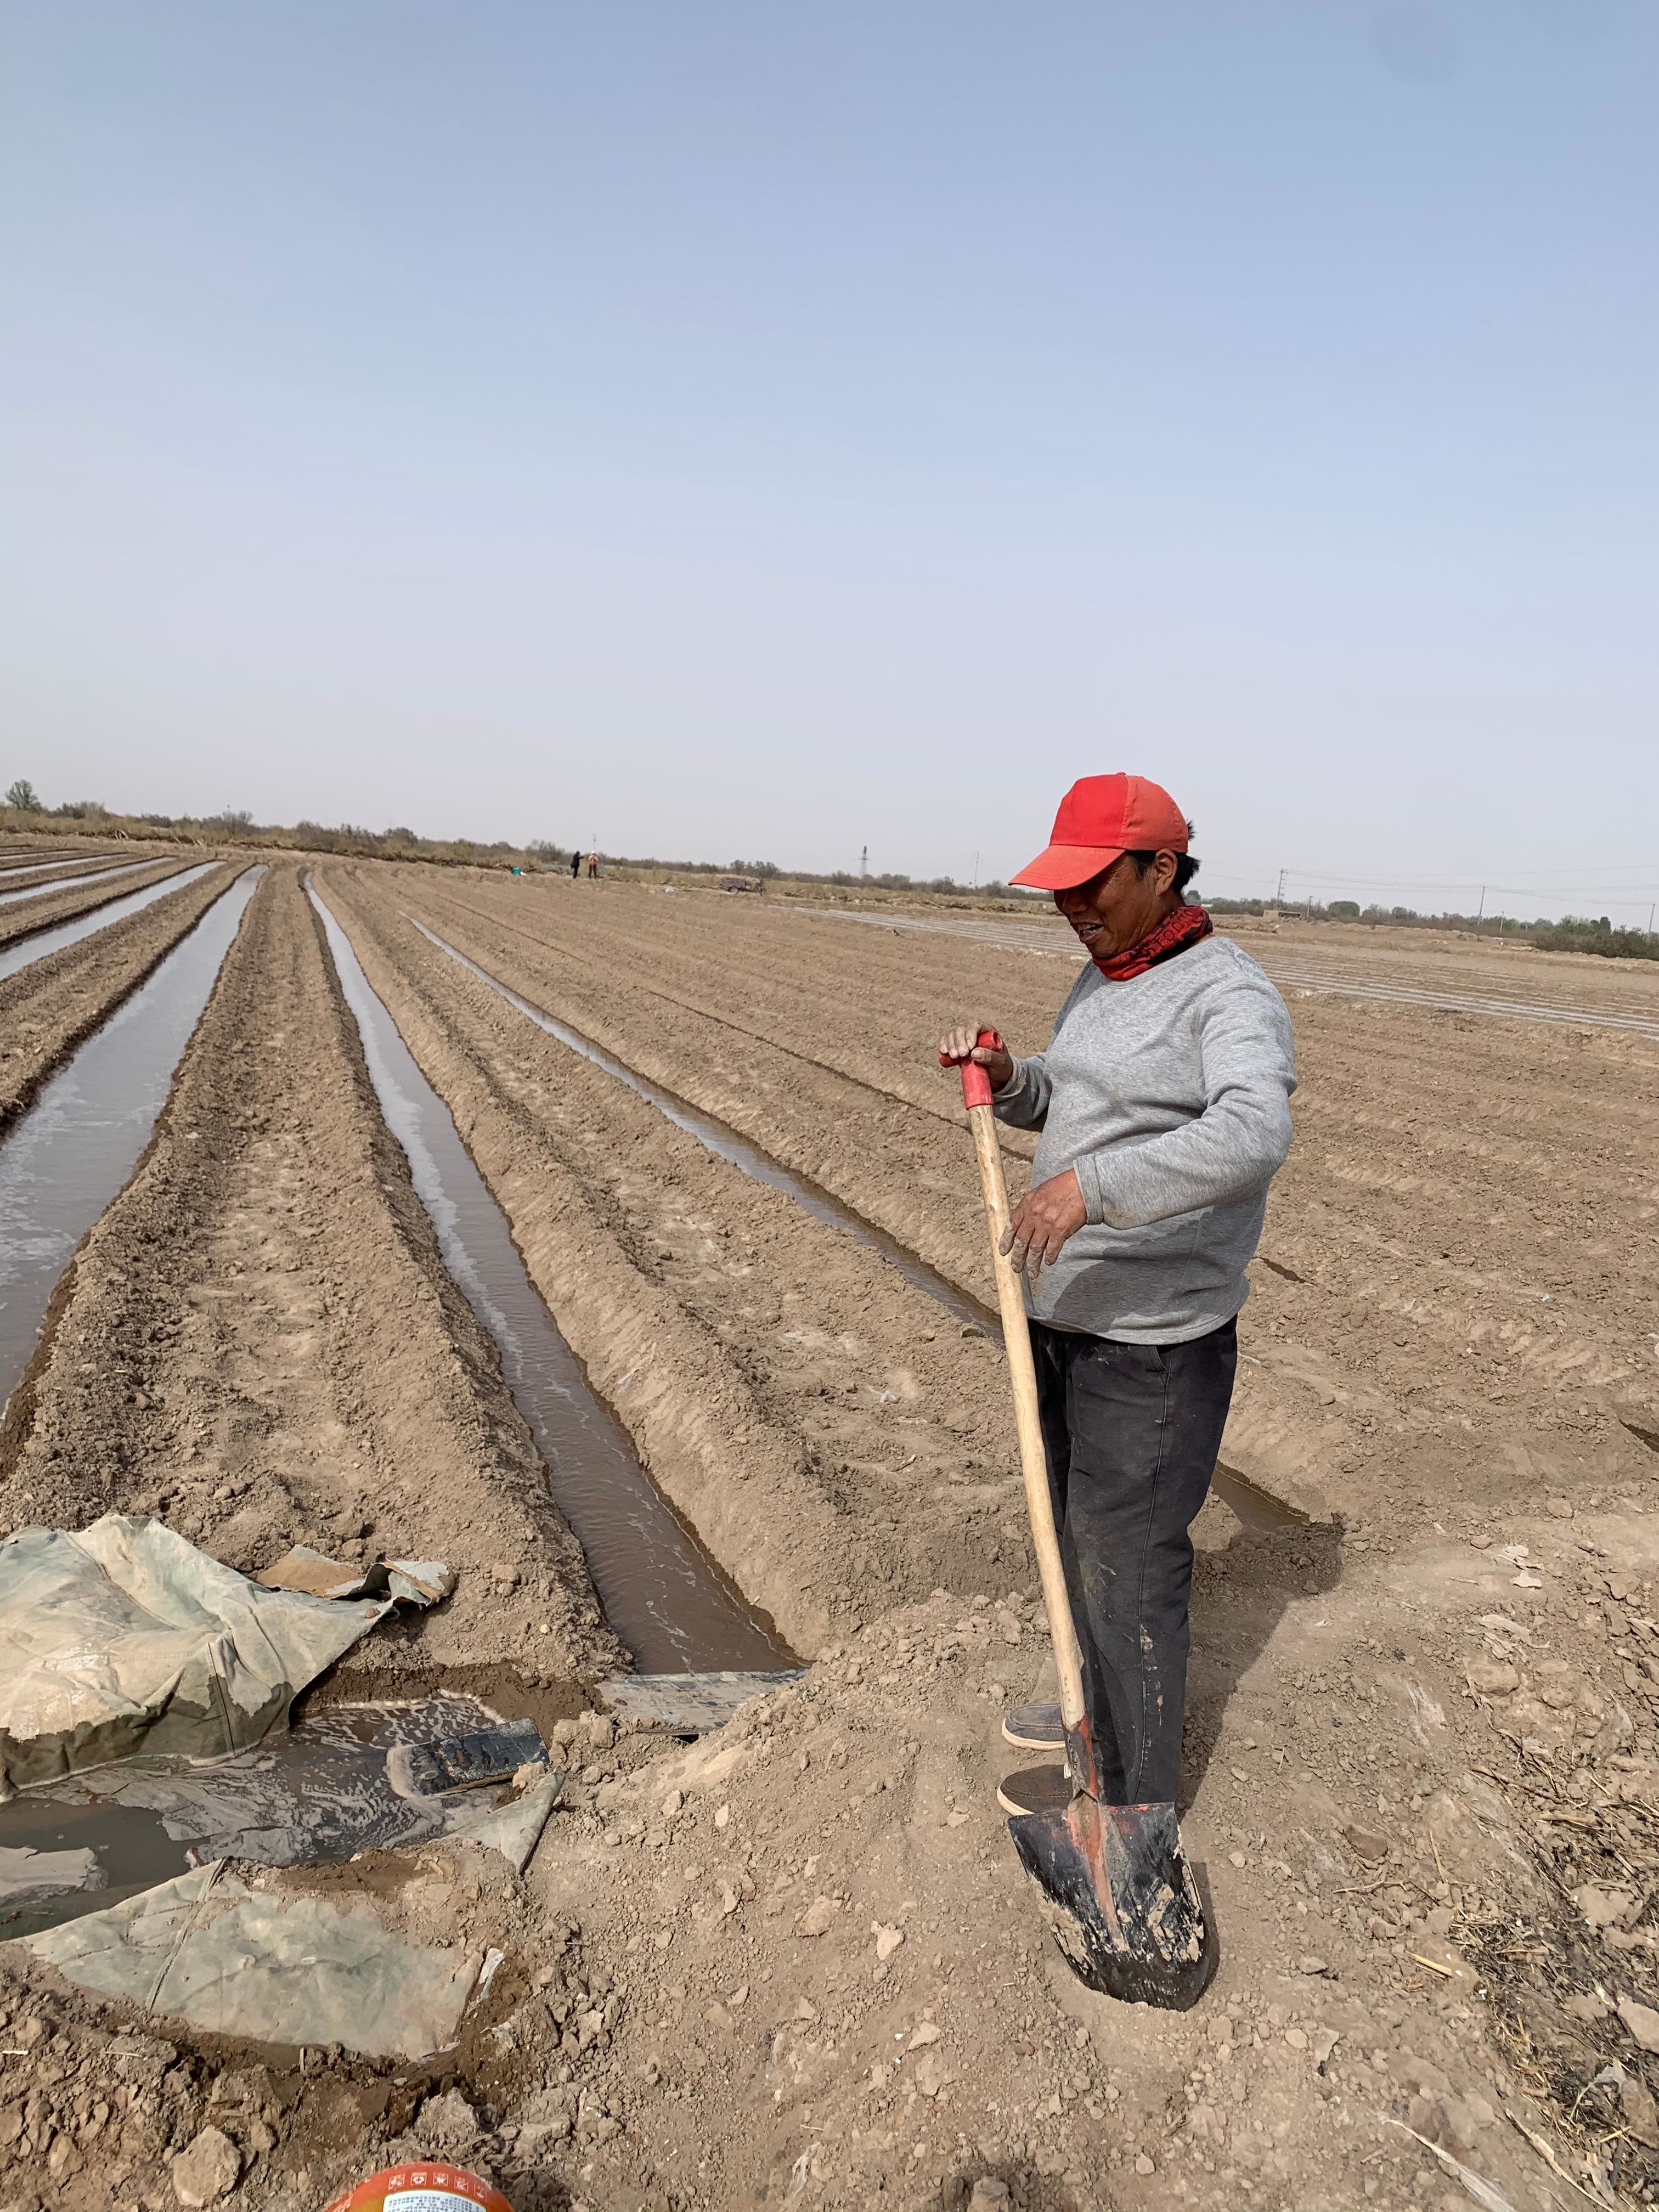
x=1183 y=927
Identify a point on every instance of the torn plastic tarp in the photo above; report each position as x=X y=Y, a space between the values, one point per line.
x=124 y=1638
x=272 y=1964
x=30 y=1877
x=412 y=1582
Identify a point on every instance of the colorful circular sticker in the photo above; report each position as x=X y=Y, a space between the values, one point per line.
x=422 y=2186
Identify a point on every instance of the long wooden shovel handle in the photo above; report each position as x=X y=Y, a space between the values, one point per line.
x=1016 y=1340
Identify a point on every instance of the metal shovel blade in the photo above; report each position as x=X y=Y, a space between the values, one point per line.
x=1114 y=1885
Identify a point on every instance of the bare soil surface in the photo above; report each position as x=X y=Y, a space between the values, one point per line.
x=798 y=1962
x=47 y=1007
x=260 y=1341
x=29 y=916
x=831 y=1433
x=1457 y=1280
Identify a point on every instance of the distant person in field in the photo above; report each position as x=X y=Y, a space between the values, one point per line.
x=575 y=866
x=592 y=866
x=1162 y=1100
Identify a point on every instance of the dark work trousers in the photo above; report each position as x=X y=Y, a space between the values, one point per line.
x=1131 y=1431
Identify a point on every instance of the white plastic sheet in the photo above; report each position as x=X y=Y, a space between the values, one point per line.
x=272 y=1966
x=124 y=1639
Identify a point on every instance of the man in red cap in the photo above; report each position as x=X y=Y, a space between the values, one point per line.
x=1162 y=1098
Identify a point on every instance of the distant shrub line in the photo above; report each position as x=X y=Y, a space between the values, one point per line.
x=350 y=840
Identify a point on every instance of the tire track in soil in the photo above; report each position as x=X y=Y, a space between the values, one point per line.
x=258 y=1341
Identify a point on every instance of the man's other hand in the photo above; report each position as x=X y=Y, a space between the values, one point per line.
x=1042 y=1221
x=958 y=1044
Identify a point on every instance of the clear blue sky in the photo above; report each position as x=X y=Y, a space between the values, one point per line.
x=717 y=429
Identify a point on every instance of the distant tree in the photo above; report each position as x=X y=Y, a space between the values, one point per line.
x=399 y=836
x=1347 y=908
x=230 y=817
x=23 y=794
x=81 y=809
x=1580 y=932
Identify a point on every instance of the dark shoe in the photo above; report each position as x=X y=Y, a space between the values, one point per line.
x=1034 y=1728
x=1035 y=1790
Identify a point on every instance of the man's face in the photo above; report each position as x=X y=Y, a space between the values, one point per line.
x=1115 y=910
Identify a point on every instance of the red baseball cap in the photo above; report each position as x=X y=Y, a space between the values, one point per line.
x=1100 y=818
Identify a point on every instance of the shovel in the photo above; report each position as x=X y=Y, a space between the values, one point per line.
x=1112 y=1880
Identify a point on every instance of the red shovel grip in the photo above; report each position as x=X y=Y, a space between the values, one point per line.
x=975 y=1083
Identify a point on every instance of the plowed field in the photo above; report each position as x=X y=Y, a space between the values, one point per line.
x=798 y=1961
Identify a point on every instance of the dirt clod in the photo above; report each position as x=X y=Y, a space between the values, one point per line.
x=207 y=2169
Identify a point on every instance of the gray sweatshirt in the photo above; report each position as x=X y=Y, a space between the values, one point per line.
x=1169 y=1094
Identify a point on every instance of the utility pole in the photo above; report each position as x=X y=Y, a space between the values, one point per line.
x=1479 y=912
x=1655 y=903
x=1278 y=896
x=976 y=871
x=864 y=861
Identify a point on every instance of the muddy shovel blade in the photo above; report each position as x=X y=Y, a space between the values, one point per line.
x=1114 y=1885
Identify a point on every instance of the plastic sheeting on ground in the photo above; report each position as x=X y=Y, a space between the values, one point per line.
x=273 y=1966
x=125 y=1638
x=412 y=1582
x=279 y=1964
x=30 y=1877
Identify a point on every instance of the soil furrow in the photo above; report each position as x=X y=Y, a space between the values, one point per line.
x=1334 y=1414
x=46 y=1008
x=29 y=916
x=909 y=1173
x=798 y=1962
x=736 y=1337
x=259 y=1340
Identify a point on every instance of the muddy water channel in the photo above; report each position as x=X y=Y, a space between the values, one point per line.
x=80 y=1141
x=663 y=1594
x=27 y=950
x=1257 y=1508
x=727 y=1145
x=70 y=883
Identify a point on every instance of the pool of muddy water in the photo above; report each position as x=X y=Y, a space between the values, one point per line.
x=327 y=1790
x=664 y=1596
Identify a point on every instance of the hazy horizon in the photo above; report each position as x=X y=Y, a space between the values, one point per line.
x=743 y=432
